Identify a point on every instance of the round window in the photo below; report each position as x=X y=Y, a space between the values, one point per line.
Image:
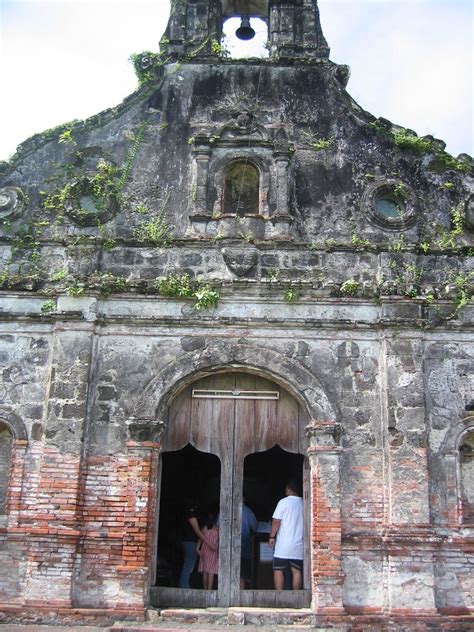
x=390 y=204
x=388 y=207
x=12 y=202
x=88 y=206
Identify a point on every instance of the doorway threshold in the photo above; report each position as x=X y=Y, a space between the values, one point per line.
x=297 y=618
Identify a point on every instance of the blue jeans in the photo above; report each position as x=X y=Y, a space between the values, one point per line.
x=190 y=557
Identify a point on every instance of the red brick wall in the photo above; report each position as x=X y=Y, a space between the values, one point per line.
x=117 y=508
x=79 y=534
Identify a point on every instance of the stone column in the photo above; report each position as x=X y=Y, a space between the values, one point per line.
x=199 y=213
x=281 y=218
x=176 y=29
x=326 y=550
x=141 y=535
x=281 y=164
x=409 y=539
x=453 y=498
x=296 y=31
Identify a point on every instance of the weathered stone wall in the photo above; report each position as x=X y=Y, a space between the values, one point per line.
x=365 y=315
x=98 y=480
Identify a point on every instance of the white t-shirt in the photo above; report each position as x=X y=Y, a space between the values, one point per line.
x=289 y=541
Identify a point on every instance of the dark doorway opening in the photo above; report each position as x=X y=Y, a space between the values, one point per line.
x=265 y=477
x=188 y=475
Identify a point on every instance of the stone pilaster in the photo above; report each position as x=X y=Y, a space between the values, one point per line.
x=50 y=501
x=326 y=554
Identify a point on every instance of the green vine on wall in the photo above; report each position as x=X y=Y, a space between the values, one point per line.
x=88 y=195
x=148 y=65
x=156 y=230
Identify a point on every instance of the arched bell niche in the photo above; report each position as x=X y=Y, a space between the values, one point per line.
x=241 y=194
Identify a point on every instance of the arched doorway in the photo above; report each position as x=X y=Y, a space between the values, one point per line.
x=251 y=425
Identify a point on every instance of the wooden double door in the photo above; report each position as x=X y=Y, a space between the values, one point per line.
x=256 y=431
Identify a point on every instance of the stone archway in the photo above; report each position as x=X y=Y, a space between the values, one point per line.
x=12 y=460
x=14 y=422
x=287 y=372
x=231 y=415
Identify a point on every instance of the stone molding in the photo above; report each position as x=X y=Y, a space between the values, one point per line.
x=324 y=435
x=145 y=431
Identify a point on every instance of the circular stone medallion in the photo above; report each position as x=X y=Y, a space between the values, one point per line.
x=12 y=202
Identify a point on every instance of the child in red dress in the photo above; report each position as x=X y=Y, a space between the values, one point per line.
x=209 y=553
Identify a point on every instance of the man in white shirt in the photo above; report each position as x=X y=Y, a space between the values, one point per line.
x=286 y=536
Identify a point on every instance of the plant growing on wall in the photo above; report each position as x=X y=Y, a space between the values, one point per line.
x=48 y=307
x=183 y=286
x=319 y=143
x=76 y=289
x=449 y=239
x=219 y=49
x=107 y=283
x=463 y=290
x=176 y=285
x=206 y=297
x=67 y=137
x=157 y=229
x=350 y=287
x=291 y=295
x=93 y=197
x=148 y=66
x=407 y=140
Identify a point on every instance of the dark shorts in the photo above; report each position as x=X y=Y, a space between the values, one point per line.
x=281 y=564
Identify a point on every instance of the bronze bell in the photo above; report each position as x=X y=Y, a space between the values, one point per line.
x=245 y=31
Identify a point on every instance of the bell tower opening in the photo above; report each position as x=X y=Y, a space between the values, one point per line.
x=238 y=48
x=252 y=28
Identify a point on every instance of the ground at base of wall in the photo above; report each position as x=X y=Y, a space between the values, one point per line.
x=355 y=624
x=467 y=627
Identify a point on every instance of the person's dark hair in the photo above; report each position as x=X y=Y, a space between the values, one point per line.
x=294 y=485
x=210 y=519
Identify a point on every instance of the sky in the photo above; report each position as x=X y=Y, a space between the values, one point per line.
x=411 y=61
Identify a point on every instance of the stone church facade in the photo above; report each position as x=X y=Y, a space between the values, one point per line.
x=238 y=264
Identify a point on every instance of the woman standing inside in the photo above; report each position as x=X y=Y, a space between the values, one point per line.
x=208 y=551
x=191 y=534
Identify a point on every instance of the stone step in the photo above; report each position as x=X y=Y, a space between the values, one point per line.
x=204 y=619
